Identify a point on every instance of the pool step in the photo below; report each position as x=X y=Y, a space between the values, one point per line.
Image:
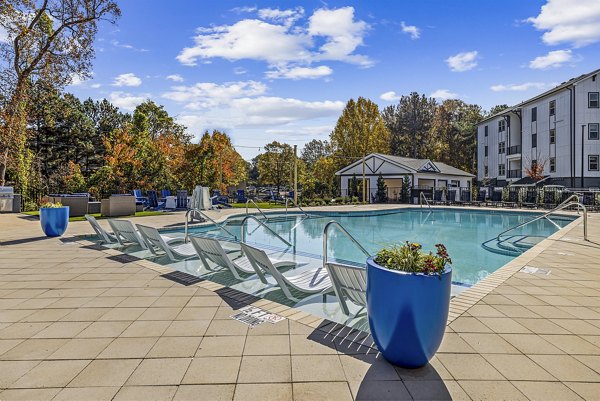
x=513 y=245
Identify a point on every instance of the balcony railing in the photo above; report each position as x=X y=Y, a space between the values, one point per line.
x=514 y=174
x=513 y=150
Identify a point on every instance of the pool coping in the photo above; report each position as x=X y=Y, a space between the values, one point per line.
x=458 y=304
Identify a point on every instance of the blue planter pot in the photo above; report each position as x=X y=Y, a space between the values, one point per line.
x=54 y=221
x=407 y=313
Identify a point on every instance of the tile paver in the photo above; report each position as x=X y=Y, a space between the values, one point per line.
x=88 y=327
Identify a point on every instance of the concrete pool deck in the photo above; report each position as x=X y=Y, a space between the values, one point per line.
x=81 y=323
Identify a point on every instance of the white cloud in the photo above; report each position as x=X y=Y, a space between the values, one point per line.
x=95 y=86
x=464 y=61
x=390 y=96
x=444 y=94
x=127 y=101
x=576 y=22
x=300 y=72
x=265 y=111
x=277 y=38
x=522 y=87
x=298 y=133
x=76 y=80
x=3 y=35
x=209 y=94
x=175 y=78
x=129 y=79
x=553 y=59
x=413 y=31
x=127 y=46
x=239 y=71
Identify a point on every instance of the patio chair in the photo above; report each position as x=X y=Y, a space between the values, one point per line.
x=275 y=197
x=213 y=250
x=126 y=233
x=241 y=196
x=139 y=198
x=496 y=198
x=437 y=197
x=589 y=200
x=313 y=281
x=154 y=202
x=480 y=198
x=549 y=199
x=105 y=236
x=465 y=198
x=530 y=199
x=182 y=199
x=156 y=241
x=451 y=197
x=348 y=282
x=513 y=199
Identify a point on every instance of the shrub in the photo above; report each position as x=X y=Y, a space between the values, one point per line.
x=50 y=205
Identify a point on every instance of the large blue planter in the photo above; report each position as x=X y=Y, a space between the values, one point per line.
x=407 y=313
x=54 y=220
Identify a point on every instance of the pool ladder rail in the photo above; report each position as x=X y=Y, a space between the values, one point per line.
x=256 y=206
x=422 y=198
x=205 y=217
x=345 y=232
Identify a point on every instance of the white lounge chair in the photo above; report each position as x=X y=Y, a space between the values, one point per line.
x=348 y=282
x=314 y=281
x=174 y=252
x=213 y=250
x=126 y=232
x=104 y=235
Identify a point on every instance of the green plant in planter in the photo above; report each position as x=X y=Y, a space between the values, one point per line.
x=412 y=259
x=50 y=205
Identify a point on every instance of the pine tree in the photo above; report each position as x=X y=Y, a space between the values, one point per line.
x=381 y=194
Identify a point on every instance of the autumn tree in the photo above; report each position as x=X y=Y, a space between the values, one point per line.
x=275 y=165
x=49 y=41
x=315 y=150
x=497 y=109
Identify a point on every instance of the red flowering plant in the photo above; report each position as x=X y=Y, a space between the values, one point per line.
x=412 y=259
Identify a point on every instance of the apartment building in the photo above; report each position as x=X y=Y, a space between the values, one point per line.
x=557 y=130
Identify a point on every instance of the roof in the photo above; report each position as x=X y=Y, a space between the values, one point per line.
x=415 y=165
x=529 y=182
x=560 y=87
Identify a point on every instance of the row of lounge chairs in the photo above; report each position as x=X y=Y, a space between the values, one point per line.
x=243 y=260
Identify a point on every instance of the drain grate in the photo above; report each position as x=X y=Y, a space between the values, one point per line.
x=182 y=278
x=535 y=270
x=123 y=258
x=253 y=316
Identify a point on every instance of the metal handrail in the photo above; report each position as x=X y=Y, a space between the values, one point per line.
x=255 y=205
x=295 y=204
x=564 y=205
x=421 y=197
x=205 y=216
x=343 y=230
x=250 y=216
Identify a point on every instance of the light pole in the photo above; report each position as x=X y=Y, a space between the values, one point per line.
x=582 y=154
x=296 y=174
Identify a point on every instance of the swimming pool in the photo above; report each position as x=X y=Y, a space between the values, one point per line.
x=463 y=231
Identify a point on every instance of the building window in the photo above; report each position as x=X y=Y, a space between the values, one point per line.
x=552 y=136
x=533 y=164
x=534 y=114
x=501 y=125
x=534 y=141
x=485 y=151
x=552 y=164
x=552 y=107
x=501 y=147
x=593 y=100
x=485 y=131
x=454 y=183
x=501 y=169
x=593 y=131
x=593 y=162
x=486 y=171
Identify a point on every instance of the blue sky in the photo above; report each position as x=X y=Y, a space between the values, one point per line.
x=269 y=70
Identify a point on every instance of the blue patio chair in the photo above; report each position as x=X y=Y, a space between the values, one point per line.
x=241 y=196
x=153 y=201
x=275 y=198
x=182 y=199
x=139 y=198
x=164 y=193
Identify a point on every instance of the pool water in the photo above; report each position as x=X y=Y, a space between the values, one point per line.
x=462 y=231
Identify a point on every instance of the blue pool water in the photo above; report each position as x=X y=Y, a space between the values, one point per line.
x=462 y=231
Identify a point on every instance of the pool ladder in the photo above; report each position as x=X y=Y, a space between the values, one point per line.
x=256 y=206
x=206 y=217
x=346 y=233
x=422 y=198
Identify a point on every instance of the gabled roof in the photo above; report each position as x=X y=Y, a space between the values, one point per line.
x=413 y=165
x=560 y=87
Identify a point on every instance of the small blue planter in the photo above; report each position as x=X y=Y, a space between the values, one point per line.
x=407 y=313
x=54 y=221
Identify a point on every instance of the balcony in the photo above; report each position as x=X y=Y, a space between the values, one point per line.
x=514 y=174
x=514 y=150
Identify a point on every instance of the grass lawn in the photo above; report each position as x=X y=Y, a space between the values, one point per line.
x=262 y=205
x=98 y=216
